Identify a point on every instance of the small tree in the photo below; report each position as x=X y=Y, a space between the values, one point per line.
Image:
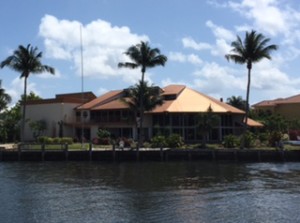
x=205 y=122
x=104 y=136
x=37 y=128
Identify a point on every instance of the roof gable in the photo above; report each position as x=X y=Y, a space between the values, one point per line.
x=190 y=100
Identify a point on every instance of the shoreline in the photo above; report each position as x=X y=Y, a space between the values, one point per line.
x=245 y=155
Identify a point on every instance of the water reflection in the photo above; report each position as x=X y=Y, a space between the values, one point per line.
x=150 y=192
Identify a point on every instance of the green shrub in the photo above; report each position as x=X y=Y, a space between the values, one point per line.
x=42 y=139
x=133 y=144
x=103 y=133
x=56 y=140
x=45 y=140
x=174 y=141
x=230 y=141
x=249 y=139
x=49 y=140
x=274 y=138
x=158 y=141
x=263 y=137
x=146 y=145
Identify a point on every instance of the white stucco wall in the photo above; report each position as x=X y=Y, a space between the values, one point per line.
x=52 y=113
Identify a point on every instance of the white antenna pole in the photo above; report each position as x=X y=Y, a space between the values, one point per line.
x=82 y=88
x=81 y=51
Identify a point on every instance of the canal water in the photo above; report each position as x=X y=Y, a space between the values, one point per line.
x=149 y=192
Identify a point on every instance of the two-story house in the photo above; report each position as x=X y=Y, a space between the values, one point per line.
x=176 y=115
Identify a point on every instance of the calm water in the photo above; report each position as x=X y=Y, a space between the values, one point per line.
x=149 y=192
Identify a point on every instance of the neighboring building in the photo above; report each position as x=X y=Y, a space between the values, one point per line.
x=176 y=115
x=287 y=107
x=56 y=112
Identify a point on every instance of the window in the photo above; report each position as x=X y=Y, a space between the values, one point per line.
x=176 y=120
x=226 y=120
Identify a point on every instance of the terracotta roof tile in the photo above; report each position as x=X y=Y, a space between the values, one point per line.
x=253 y=123
x=101 y=100
x=289 y=100
x=115 y=104
x=185 y=100
x=190 y=100
x=173 y=89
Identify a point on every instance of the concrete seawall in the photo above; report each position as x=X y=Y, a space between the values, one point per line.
x=152 y=155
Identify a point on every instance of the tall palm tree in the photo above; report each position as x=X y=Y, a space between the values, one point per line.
x=150 y=96
x=143 y=56
x=26 y=60
x=251 y=50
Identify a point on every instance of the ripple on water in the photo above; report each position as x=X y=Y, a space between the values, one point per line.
x=150 y=192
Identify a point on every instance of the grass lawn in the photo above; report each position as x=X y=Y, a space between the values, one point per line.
x=59 y=147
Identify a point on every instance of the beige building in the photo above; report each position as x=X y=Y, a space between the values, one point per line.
x=287 y=107
x=177 y=115
x=56 y=112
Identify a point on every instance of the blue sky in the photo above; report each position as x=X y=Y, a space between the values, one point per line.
x=194 y=35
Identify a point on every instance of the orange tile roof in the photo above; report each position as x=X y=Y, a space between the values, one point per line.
x=185 y=100
x=289 y=100
x=107 y=97
x=253 y=123
x=111 y=105
x=190 y=100
x=173 y=89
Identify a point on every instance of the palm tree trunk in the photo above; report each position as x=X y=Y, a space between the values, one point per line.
x=247 y=109
x=24 y=110
x=141 y=112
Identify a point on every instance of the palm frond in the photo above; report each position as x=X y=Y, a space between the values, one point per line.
x=142 y=55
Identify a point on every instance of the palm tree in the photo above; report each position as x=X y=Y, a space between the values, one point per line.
x=150 y=96
x=5 y=99
x=253 y=49
x=143 y=56
x=237 y=102
x=26 y=60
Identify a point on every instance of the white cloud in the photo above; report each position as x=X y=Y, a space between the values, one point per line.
x=194 y=59
x=182 y=58
x=101 y=91
x=220 y=48
x=169 y=81
x=213 y=77
x=220 y=32
x=103 y=45
x=47 y=75
x=272 y=17
x=177 y=56
x=189 y=42
x=16 y=89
